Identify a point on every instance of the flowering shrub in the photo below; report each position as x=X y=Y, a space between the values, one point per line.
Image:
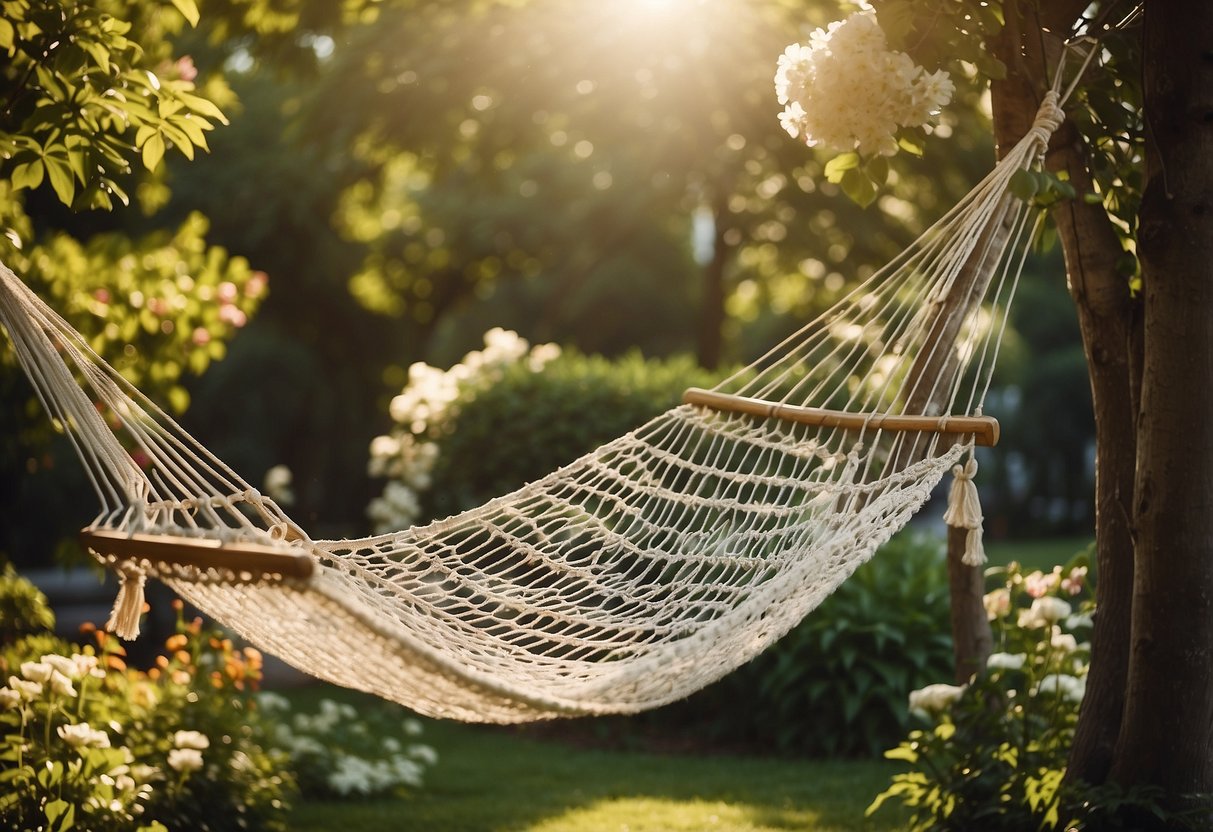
x=89 y=743
x=835 y=685
x=425 y=411
x=846 y=90
x=992 y=756
x=343 y=752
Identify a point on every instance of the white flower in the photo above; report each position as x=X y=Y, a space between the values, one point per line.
x=87 y=666
x=26 y=689
x=271 y=702
x=9 y=699
x=1006 y=661
x=191 y=739
x=82 y=735
x=278 y=485
x=997 y=603
x=847 y=91
x=62 y=664
x=1079 y=619
x=1063 y=641
x=934 y=698
x=39 y=672
x=185 y=759
x=424 y=754
x=61 y=685
x=1050 y=609
x=1069 y=687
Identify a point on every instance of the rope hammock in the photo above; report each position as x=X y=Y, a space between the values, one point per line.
x=630 y=578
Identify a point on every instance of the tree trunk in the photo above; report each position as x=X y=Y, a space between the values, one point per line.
x=972 y=640
x=1105 y=314
x=1167 y=735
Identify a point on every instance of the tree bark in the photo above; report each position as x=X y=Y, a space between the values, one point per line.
x=1105 y=316
x=1167 y=735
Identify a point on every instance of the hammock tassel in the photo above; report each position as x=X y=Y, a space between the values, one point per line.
x=128 y=606
x=964 y=512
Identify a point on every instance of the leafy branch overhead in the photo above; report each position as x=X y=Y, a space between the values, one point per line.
x=85 y=101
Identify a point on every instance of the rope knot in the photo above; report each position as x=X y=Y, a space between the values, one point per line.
x=1048 y=118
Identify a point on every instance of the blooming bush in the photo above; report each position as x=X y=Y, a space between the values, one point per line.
x=90 y=743
x=846 y=90
x=425 y=411
x=341 y=751
x=835 y=685
x=993 y=753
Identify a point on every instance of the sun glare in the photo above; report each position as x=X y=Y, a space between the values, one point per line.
x=656 y=6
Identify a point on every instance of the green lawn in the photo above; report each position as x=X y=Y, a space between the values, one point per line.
x=501 y=779
x=1037 y=554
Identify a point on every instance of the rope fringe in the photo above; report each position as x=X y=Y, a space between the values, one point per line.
x=128 y=606
x=964 y=511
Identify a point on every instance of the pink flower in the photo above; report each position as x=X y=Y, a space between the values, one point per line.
x=227 y=292
x=1073 y=582
x=201 y=336
x=232 y=315
x=255 y=287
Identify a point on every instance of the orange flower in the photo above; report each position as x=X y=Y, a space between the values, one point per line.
x=183 y=656
x=176 y=642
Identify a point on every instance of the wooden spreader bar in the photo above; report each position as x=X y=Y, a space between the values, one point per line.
x=984 y=429
x=247 y=561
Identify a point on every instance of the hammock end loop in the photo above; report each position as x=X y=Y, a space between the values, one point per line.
x=128 y=606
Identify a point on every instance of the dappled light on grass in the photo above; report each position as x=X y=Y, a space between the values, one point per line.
x=649 y=814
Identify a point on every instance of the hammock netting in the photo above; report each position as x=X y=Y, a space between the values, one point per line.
x=630 y=578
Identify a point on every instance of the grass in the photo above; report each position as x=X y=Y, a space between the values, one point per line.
x=502 y=780
x=1037 y=554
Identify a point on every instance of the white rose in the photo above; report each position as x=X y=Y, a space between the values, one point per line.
x=82 y=735
x=28 y=690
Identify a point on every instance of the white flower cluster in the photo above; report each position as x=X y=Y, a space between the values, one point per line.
x=186 y=754
x=356 y=759
x=424 y=409
x=53 y=675
x=934 y=698
x=846 y=90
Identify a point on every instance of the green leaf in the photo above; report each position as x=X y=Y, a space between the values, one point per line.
x=837 y=167
x=28 y=175
x=6 y=35
x=912 y=144
x=877 y=169
x=857 y=185
x=902 y=752
x=188 y=9
x=153 y=151
x=62 y=179
x=1024 y=184
x=60 y=815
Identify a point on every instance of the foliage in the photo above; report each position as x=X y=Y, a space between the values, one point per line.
x=342 y=752
x=81 y=97
x=835 y=685
x=23 y=608
x=993 y=753
x=93 y=744
x=507 y=415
